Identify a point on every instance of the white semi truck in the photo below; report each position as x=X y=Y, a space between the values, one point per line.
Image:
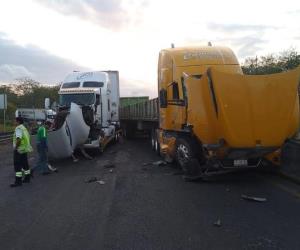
x=88 y=113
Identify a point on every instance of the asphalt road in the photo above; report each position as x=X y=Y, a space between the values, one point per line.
x=142 y=206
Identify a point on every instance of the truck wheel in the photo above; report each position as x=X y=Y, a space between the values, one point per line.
x=156 y=146
x=186 y=157
x=153 y=137
x=116 y=139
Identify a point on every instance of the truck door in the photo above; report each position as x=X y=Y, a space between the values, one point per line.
x=176 y=106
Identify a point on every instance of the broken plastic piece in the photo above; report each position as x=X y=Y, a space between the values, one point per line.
x=91 y=179
x=218 y=223
x=101 y=182
x=252 y=198
x=159 y=163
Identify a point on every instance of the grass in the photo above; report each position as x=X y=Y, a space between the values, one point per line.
x=8 y=127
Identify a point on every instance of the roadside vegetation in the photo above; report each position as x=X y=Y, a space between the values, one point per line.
x=23 y=93
x=272 y=63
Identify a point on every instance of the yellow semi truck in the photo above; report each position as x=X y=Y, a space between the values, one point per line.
x=211 y=116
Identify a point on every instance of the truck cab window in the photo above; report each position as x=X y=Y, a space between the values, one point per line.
x=163 y=98
x=97 y=99
x=175 y=91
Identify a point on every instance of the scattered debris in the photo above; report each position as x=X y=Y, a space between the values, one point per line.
x=111 y=170
x=91 y=179
x=53 y=169
x=101 y=182
x=109 y=165
x=218 y=223
x=112 y=152
x=159 y=163
x=252 y=198
x=146 y=163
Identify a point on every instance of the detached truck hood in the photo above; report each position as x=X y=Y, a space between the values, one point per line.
x=254 y=111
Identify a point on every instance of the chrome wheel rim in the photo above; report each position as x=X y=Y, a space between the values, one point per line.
x=183 y=154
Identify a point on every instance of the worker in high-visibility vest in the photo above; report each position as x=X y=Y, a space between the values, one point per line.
x=22 y=146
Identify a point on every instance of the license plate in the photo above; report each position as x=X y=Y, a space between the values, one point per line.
x=239 y=163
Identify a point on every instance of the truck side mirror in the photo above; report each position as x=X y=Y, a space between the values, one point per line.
x=163 y=98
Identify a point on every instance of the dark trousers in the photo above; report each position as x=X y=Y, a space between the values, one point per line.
x=42 y=163
x=20 y=165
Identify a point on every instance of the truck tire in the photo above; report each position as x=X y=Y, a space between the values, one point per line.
x=153 y=137
x=186 y=157
x=156 y=146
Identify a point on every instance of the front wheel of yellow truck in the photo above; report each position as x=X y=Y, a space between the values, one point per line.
x=187 y=156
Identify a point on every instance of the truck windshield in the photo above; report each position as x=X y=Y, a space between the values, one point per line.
x=80 y=99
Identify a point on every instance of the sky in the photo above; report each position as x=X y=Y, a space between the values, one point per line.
x=47 y=39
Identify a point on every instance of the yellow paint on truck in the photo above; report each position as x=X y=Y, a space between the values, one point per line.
x=208 y=105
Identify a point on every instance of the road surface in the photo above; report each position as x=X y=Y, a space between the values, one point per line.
x=143 y=206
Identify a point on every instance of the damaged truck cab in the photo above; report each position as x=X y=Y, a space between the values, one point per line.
x=97 y=95
x=212 y=116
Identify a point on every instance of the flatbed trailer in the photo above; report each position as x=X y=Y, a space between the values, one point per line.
x=143 y=116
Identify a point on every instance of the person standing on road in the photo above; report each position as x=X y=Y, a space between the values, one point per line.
x=42 y=148
x=22 y=146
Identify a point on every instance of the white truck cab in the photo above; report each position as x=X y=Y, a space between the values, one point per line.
x=97 y=93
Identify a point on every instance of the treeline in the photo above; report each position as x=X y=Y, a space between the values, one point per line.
x=273 y=63
x=26 y=93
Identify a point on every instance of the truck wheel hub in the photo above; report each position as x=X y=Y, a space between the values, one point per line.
x=183 y=154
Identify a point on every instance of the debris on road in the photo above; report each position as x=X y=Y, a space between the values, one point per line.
x=91 y=179
x=218 y=223
x=227 y=189
x=111 y=171
x=108 y=164
x=159 y=163
x=146 y=164
x=253 y=198
x=101 y=182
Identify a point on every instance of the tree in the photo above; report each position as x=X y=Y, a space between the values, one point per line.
x=270 y=64
x=26 y=93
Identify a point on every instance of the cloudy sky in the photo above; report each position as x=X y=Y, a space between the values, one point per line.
x=47 y=39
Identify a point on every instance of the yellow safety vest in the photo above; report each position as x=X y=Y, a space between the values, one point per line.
x=25 y=146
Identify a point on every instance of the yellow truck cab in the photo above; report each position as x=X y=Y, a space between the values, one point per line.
x=212 y=116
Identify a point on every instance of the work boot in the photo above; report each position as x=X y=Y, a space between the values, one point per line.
x=18 y=182
x=26 y=178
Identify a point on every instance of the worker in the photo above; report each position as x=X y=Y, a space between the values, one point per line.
x=21 y=144
x=42 y=148
x=49 y=126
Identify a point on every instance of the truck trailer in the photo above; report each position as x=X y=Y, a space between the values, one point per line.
x=210 y=117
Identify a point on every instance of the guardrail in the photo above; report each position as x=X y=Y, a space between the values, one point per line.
x=4 y=137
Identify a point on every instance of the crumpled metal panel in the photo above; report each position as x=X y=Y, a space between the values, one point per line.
x=74 y=132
